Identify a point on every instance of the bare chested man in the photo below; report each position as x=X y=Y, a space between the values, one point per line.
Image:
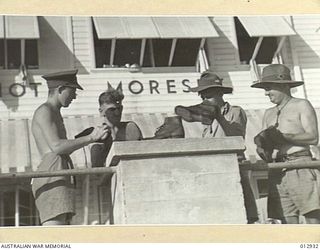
x=292 y=128
x=54 y=196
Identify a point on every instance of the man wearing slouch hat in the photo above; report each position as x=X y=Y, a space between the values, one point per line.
x=290 y=127
x=220 y=119
x=54 y=196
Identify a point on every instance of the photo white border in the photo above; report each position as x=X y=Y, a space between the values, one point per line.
x=216 y=233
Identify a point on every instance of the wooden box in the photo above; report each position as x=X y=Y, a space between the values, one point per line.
x=178 y=181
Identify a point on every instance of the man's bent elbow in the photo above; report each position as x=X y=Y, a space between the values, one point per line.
x=315 y=141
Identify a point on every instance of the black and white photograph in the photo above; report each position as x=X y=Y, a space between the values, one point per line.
x=159 y=120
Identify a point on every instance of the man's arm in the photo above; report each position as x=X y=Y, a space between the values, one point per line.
x=236 y=126
x=45 y=120
x=133 y=132
x=310 y=125
x=264 y=120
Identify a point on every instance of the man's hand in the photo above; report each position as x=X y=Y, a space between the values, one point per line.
x=100 y=133
x=210 y=111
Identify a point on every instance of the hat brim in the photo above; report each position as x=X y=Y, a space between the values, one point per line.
x=262 y=85
x=226 y=90
x=75 y=85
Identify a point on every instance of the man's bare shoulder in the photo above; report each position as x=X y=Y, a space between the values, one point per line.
x=43 y=111
x=300 y=101
x=301 y=104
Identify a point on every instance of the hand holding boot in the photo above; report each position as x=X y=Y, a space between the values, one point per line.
x=210 y=112
x=98 y=134
x=264 y=145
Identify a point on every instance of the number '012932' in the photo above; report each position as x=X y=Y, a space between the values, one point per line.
x=309 y=246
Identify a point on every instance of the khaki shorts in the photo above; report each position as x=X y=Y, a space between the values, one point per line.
x=293 y=192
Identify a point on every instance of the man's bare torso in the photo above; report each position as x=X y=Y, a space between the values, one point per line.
x=289 y=123
x=39 y=130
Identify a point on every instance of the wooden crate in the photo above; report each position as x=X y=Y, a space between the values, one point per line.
x=178 y=181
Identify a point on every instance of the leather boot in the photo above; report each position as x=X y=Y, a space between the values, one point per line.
x=171 y=128
x=203 y=112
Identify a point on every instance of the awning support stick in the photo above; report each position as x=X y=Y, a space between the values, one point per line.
x=173 y=47
x=253 y=65
x=256 y=49
x=143 y=46
x=277 y=52
x=113 y=49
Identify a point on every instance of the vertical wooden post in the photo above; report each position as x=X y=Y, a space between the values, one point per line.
x=86 y=199
x=16 y=203
x=1 y=210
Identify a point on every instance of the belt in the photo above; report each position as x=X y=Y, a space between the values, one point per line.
x=287 y=157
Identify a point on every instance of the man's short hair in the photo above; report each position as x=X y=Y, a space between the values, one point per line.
x=111 y=96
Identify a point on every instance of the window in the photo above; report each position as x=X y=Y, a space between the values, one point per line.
x=127 y=51
x=8 y=209
x=155 y=53
x=262 y=185
x=31 y=54
x=21 y=198
x=259 y=183
x=150 y=41
x=186 y=52
x=18 y=42
x=1 y=54
x=11 y=53
x=105 y=203
x=161 y=50
x=247 y=45
x=26 y=209
x=102 y=50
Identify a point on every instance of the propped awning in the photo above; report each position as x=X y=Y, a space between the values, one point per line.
x=154 y=27
x=19 y=27
x=266 y=26
x=125 y=27
x=185 y=27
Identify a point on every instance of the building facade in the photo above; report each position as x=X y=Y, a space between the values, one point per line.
x=156 y=59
